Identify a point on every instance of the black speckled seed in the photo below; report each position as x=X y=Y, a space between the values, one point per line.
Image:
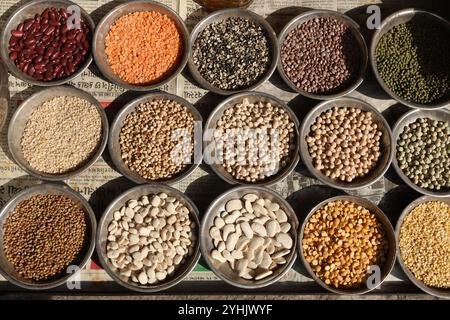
x=232 y=54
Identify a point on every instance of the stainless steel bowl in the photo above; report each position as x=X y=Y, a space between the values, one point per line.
x=116 y=127
x=27 y=11
x=108 y=216
x=23 y=113
x=223 y=270
x=438 y=292
x=109 y=20
x=210 y=126
x=406 y=119
x=400 y=17
x=385 y=269
x=386 y=143
x=7 y=269
x=355 y=30
x=220 y=16
x=4 y=94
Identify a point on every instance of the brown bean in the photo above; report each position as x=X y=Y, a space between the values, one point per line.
x=20 y=27
x=49 y=30
x=27 y=24
x=55 y=23
x=30 y=42
x=13 y=41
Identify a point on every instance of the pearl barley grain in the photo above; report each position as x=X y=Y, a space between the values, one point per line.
x=61 y=135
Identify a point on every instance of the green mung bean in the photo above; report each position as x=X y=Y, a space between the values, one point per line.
x=412 y=59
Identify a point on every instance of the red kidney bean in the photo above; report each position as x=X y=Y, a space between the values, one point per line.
x=17 y=33
x=45 y=49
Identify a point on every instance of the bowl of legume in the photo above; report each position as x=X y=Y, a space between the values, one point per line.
x=322 y=54
x=47 y=235
x=249 y=237
x=346 y=143
x=141 y=45
x=148 y=238
x=156 y=138
x=232 y=50
x=423 y=244
x=58 y=133
x=421 y=144
x=409 y=57
x=347 y=245
x=44 y=44
x=252 y=138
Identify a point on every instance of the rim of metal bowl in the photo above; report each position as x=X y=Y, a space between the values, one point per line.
x=385 y=149
x=394 y=19
x=390 y=236
x=90 y=236
x=354 y=27
x=398 y=129
x=119 y=201
x=12 y=23
x=219 y=16
x=64 y=90
x=210 y=214
x=207 y=138
x=114 y=147
x=4 y=94
x=437 y=292
x=98 y=48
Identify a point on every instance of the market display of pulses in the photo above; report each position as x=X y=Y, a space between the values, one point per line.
x=151 y=236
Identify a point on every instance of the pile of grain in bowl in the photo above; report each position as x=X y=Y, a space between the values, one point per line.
x=150 y=238
x=44 y=235
x=144 y=48
x=344 y=143
x=341 y=241
x=157 y=139
x=321 y=56
x=61 y=135
x=254 y=141
x=424 y=243
x=232 y=54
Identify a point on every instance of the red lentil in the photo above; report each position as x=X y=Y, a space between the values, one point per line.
x=144 y=47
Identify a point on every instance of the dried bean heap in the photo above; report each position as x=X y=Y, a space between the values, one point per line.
x=47 y=47
x=341 y=240
x=424 y=243
x=344 y=143
x=423 y=153
x=253 y=235
x=148 y=141
x=254 y=140
x=44 y=235
x=150 y=238
x=412 y=59
x=232 y=54
x=321 y=56
x=61 y=135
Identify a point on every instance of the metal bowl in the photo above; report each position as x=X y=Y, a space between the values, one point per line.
x=223 y=270
x=209 y=146
x=4 y=94
x=116 y=127
x=386 y=143
x=220 y=16
x=98 y=45
x=355 y=30
x=108 y=216
x=23 y=113
x=7 y=269
x=438 y=292
x=27 y=11
x=391 y=21
x=406 y=119
x=390 y=235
